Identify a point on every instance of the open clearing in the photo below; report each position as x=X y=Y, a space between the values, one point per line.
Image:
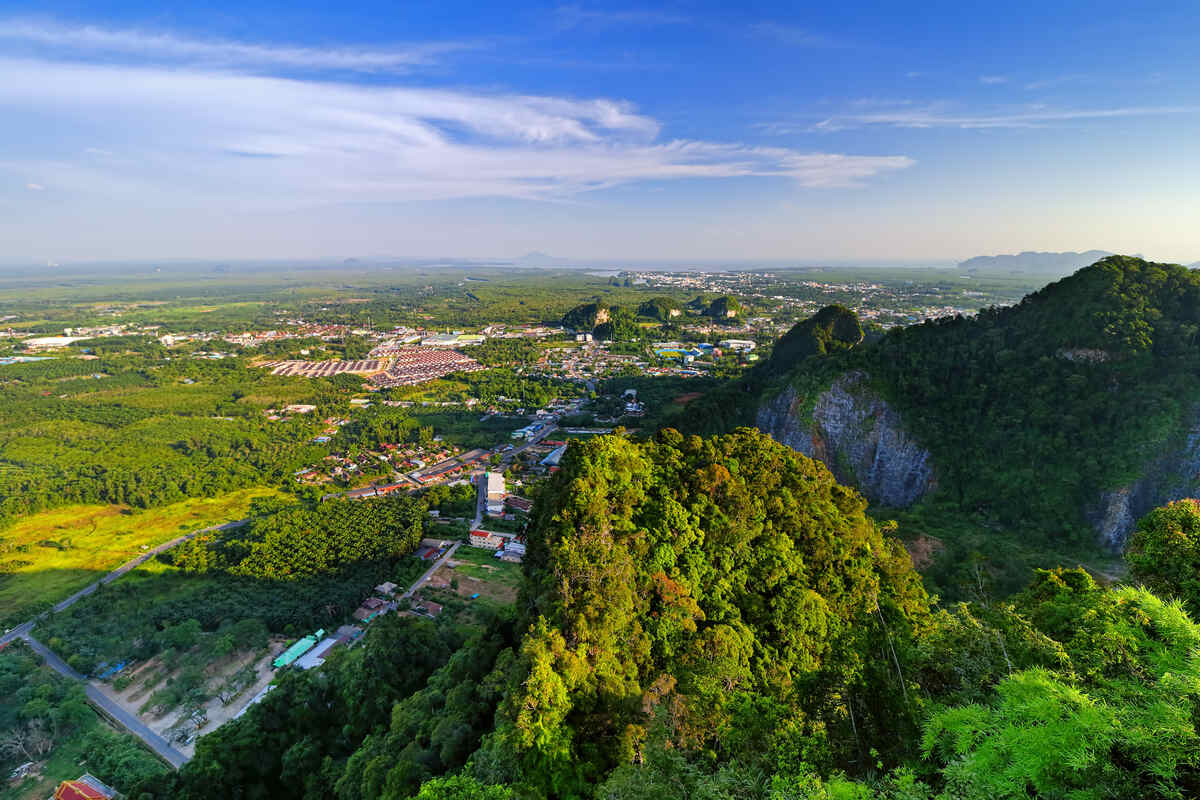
x=52 y=554
x=148 y=676
x=477 y=571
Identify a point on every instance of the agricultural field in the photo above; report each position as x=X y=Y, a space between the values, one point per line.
x=475 y=571
x=52 y=554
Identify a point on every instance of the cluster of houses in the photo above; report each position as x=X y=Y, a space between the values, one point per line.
x=412 y=457
x=414 y=365
x=326 y=369
x=403 y=366
x=508 y=548
x=299 y=330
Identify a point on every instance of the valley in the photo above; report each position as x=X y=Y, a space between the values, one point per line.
x=618 y=545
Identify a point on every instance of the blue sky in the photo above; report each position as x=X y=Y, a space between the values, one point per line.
x=850 y=132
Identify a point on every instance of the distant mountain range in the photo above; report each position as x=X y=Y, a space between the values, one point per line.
x=539 y=259
x=1055 y=264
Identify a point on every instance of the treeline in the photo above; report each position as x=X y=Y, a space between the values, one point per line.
x=148 y=462
x=146 y=432
x=293 y=568
x=505 y=352
x=300 y=540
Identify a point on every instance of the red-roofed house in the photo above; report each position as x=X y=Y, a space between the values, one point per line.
x=86 y=787
x=518 y=503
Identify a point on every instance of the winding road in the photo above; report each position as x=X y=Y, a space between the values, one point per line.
x=421 y=581
x=110 y=709
x=119 y=715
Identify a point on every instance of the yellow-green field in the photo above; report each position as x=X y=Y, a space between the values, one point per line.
x=70 y=547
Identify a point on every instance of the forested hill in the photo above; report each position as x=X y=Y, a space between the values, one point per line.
x=1035 y=414
x=1046 y=264
x=718 y=618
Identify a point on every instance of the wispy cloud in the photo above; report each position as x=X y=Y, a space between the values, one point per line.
x=35 y=187
x=993 y=80
x=195 y=136
x=574 y=16
x=793 y=35
x=1050 y=83
x=89 y=42
x=941 y=116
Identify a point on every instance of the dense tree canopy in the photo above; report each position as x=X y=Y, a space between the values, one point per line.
x=1164 y=553
x=662 y=309
x=1029 y=411
x=691 y=577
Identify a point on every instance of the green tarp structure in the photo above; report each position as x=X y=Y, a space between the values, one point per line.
x=298 y=649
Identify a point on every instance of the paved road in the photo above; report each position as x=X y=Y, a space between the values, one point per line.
x=429 y=572
x=537 y=437
x=143 y=558
x=128 y=721
x=22 y=630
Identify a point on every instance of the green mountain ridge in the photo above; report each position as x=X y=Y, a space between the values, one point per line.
x=1071 y=413
x=718 y=618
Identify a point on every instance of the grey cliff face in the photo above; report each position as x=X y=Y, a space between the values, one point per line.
x=861 y=438
x=1175 y=474
x=858 y=436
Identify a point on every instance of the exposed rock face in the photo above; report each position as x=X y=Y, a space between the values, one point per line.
x=858 y=436
x=1172 y=476
x=863 y=442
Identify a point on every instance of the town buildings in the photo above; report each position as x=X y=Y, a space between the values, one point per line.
x=491 y=493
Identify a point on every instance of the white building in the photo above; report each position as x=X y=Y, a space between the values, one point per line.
x=736 y=344
x=492 y=492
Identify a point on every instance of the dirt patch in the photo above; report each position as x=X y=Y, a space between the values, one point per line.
x=468 y=585
x=688 y=397
x=149 y=676
x=924 y=550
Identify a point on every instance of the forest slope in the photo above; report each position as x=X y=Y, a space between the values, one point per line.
x=1070 y=412
x=717 y=618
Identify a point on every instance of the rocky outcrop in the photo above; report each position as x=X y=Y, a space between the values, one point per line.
x=1173 y=475
x=857 y=435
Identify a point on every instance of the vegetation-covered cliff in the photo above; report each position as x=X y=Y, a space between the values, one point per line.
x=1072 y=413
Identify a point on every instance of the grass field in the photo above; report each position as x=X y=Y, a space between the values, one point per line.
x=55 y=553
x=479 y=571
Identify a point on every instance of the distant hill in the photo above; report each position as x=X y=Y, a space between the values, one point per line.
x=1076 y=408
x=1048 y=264
x=539 y=259
x=584 y=318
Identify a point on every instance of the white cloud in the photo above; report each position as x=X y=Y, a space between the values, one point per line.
x=1052 y=83
x=205 y=137
x=793 y=35
x=992 y=80
x=573 y=16
x=939 y=116
x=89 y=41
x=34 y=187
